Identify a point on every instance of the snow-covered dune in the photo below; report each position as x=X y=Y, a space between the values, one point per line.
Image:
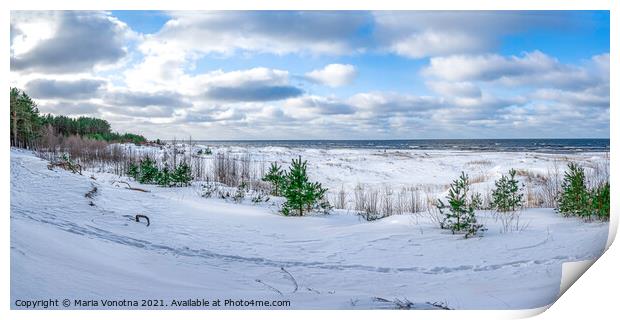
x=65 y=245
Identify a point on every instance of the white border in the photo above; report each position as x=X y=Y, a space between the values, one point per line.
x=593 y=295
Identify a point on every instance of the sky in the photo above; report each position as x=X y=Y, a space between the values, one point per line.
x=247 y=75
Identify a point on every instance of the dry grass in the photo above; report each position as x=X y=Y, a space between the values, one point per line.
x=478 y=178
x=340 y=199
x=375 y=203
x=479 y=163
x=530 y=176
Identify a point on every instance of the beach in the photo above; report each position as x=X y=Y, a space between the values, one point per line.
x=214 y=248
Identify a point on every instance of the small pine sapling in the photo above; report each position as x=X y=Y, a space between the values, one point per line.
x=574 y=195
x=275 y=176
x=182 y=175
x=148 y=171
x=459 y=213
x=301 y=195
x=600 y=201
x=239 y=193
x=133 y=171
x=164 y=177
x=318 y=196
x=508 y=193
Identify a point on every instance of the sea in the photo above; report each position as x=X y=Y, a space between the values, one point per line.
x=488 y=145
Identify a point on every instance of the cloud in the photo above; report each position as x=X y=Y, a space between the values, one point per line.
x=333 y=75
x=278 y=32
x=65 y=89
x=461 y=89
x=591 y=97
x=70 y=41
x=489 y=67
x=437 y=33
x=532 y=68
x=173 y=51
x=252 y=93
x=387 y=103
x=146 y=111
x=257 y=84
x=221 y=115
x=317 y=105
x=165 y=83
x=71 y=108
x=145 y=99
x=433 y=43
x=544 y=119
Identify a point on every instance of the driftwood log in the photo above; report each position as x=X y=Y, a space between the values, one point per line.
x=148 y=221
x=129 y=187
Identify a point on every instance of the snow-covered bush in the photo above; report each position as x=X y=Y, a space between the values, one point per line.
x=239 y=193
x=259 y=197
x=459 y=213
x=206 y=151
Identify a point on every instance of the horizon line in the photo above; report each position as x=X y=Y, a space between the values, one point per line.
x=403 y=139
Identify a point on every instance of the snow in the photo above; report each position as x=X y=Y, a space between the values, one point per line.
x=376 y=168
x=195 y=248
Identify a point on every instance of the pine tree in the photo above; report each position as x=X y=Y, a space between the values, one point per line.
x=297 y=188
x=133 y=171
x=574 y=196
x=459 y=214
x=24 y=119
x=301 y=195
x=600 y=201
x=148 y=171
x=275 y=176
x=508 y=195
x=239 y=193
x=164 y=177
x=182 y=175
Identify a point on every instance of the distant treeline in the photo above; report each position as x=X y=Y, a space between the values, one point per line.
x=88 y=127
x=27 y=124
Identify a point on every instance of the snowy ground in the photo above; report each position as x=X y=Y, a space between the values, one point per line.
x=334 y=167
x=429 y=170
x=64 y=247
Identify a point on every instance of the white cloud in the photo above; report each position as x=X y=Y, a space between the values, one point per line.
x=433 y=43
x=422 y=34
x=489 y=67
x=278 y=32
x=459 y=89
x=312 y=106
x=333 y=75
x=531 y=69
x=151 y=84
x=591 y=97
x=65 y=89
x=256 y=84
x=66 y=41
